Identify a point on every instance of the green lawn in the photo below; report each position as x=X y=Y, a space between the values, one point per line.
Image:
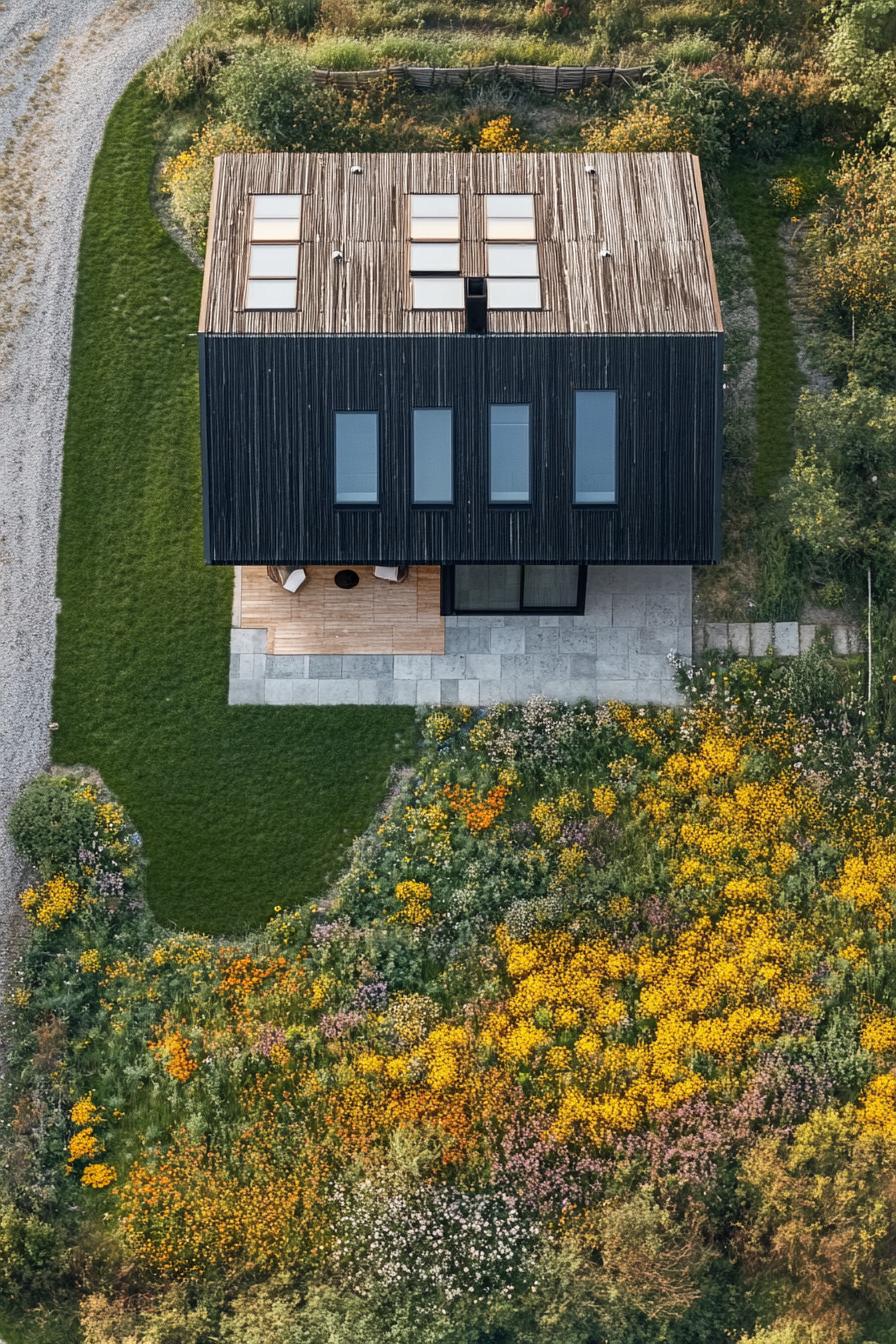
x=777 y=371
x=240 y=809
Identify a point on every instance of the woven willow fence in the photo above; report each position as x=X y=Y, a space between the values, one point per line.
x=546 y=78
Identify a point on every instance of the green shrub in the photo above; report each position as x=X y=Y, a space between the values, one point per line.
x=29 y=1252
x=340 y=53
x=268 y=93
x=50 y=821
x=692 y=49
x=188 y=66
x=187 y=178
x=296 y=16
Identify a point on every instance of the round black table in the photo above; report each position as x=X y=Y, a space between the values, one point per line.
x=346 y=578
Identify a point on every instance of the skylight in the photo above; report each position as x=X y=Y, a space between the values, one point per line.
x=513 y=272
x=510 y=216
x=437 y=291
x=274 y=252
x=276 y=219
x=435 y=217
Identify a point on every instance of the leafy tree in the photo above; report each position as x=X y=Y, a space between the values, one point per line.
x=820 y=1224
x=853 y=236
x=861 y=54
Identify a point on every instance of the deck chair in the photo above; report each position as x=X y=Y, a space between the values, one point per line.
x=391 y=573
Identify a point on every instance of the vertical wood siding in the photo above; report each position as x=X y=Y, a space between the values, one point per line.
x=268 y=448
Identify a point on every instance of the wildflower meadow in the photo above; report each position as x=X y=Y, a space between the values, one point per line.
x=593 y=1041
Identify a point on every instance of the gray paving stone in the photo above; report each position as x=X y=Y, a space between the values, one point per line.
x=367 y=665
x=583 y=665
x=615 y=641
x=684 y=641
x=629 y=609
x=457 y=640
x=786 y=637
x=248 y=641
x=450 y=691
x=739 y=638
x=613 y=665
x=492 y=692
x=404 y=692
x=451 y=665
x=287 y=665
x=807 y=637
x=549 y=621
x=337 y=691
x=617 y=689
x=598 y=606
x=235 y=665
x=661 y=609
x=579 y=688
x=376 y=691
x=715 y=637
x=508 y=639
x=247 y=692
x=650 y=667
x=468 y=692
x=542 y=639
x=697 y=639
x=578 y=639
x=478 y=640
x=429 y=692
x=484 y=666
x=412 y=667
x=325 y=665
x=306 y=692
x=535 y=665
x=760 y=638
x=279 y=691
x=657 y=639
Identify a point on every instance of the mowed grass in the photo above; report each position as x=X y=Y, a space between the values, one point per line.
x=778 y=375
x=241 y=808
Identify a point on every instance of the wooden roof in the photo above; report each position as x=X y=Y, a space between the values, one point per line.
x=645 y=210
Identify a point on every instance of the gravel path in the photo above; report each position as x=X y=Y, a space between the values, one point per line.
x=63 y=63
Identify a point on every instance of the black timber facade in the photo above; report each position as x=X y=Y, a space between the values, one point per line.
x=268 y=406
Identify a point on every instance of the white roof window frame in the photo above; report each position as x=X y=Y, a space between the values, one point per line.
x=510 y=217
x=433 y=217
x=275 y=217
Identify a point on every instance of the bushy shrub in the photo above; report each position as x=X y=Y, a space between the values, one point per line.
x=188 y=66
x=187 y=178
x=268 y=92
x=30 y=1252
x=853 y=235
x=52 y=819
x=861 y=56
x=821 y=1217
x=175 y=1316
x=841 y=493
x=295 y=16
x=643 y=129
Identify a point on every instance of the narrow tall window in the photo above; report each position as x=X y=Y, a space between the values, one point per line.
x=357 y=453
x=435 y=251
x=433 y=471
x=512 y=261
x=509 y=454
x=274 y=252
x=595 y=471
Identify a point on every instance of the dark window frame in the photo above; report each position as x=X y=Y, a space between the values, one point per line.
x=449 y=607
x=433 y=503
x=349 y=503
x=596 y=503
x=512 y=503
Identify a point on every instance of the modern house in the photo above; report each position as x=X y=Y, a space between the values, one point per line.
x=461 y=422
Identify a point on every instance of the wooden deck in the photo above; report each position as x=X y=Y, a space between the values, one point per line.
x=374 y=617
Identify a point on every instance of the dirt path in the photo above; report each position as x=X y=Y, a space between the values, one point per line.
x=63 y=63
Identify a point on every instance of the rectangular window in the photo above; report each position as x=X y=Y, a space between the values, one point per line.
x=435 y=217
x=357 y=454
x=595 y=471
x=275 y=219
x=273 y=272
x=433 y=468
x=429 y=257
x=509 y=216
x=509 y=453
x=517 y=588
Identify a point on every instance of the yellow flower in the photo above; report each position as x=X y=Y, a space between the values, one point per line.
x=98 y=1175
x=84 y=1112
x=84 y=1144
x=50 y=904
x=603 y=800
x=90 y=961
x=414 y=899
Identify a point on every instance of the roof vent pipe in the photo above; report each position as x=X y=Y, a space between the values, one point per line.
x=476 y=305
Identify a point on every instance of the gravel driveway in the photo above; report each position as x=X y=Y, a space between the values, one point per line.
x=63 y=63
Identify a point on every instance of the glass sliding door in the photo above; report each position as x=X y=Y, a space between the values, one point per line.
x=517 y=588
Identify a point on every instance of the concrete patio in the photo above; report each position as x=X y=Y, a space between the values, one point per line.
x=634 y=616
